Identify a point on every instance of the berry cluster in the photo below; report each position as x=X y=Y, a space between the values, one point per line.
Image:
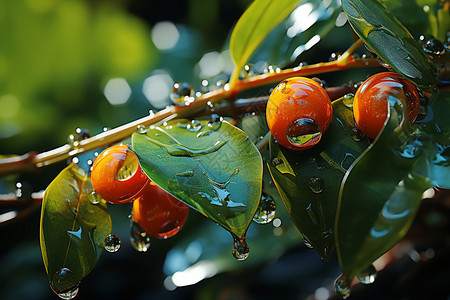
x=299 y=109
x=118 y=178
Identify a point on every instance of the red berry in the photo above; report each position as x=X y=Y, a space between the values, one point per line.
x=117 y=176
x=298 y=112
x=158 y=213
x=370 y=105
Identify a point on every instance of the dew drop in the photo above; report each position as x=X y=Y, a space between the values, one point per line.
x=94 y=198
x=266 y=210
x=240 y=249
x=368 y=276
x=215 y=122
x=69 y=294
x=141 y=129
x=139 y=239
x=303 y=133
x=357 y=135
x=348 y=100
x=434 y=46
x=342 y=287
x=182 y=93
x=194 y=126
x=316 y=184
x=112 y=243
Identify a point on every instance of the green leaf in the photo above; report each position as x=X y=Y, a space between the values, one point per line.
x=390 y=40
x=309 y=181
x=73 y=228
x=254 y=25
x=383 y=189
x=214 y=169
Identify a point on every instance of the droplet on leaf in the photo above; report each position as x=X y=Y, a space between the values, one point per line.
x=182 y=93
x=303 y=132
x=141 y=129
x=368 y=276
x=194 y=126
x=434 y=46
x=112 y=243
x=342 y=287
x=240 y=249
x=348 y=100
x=316 y=184
x=266 y=210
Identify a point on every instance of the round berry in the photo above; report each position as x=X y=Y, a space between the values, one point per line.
x=370 y=106
x=298 y=112
x=117 y=176
x=160 y=214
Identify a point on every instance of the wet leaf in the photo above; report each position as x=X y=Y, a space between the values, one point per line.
x=309 y=181
x=390 y=40
x=383 y=189
x=254 y=25
x=215 y=169
x=72 y=229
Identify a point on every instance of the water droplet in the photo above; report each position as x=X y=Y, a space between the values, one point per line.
x=194 y=126
x=348 y=100
x=347 y=161
x=187 y=173
x=342 y=287
x=266 y=210
x=277 y=161
x=303 y=132
x=141 y=129
x=80 y=134
x=215 y=122
x=368 y=276
x=357 y=135
x=64 y=280
x=112 y=243
x=70 y=293
x=139 y=239
x=334 y=56
x=182 y=93
x=94 y=198
x=434 y=46
x=316 y=184
x=240 y=249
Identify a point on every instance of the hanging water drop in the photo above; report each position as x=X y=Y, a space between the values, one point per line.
x=303 y=132
x=348 y=100
x=139 y=239
x=70 y=293
x=368 y=275
x=434 y=46
x=240 y=249
x=194 y=126
x=342 y=287
x=141 y=129
x=316 y=184
x=112 y=243
x=182 y=93
x=266 y=210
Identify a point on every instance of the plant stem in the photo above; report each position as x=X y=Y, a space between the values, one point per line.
x=33 y=161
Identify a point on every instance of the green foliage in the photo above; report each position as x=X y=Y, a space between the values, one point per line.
x=254 y=25
x=74 y=225
x=389 y=179
x=212 y=167
x=390 y=40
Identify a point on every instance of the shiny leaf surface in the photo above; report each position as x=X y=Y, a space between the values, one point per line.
x=309 y=180
x=390 y=40
x=213 y=168
x=73 y=228
x=389 y=179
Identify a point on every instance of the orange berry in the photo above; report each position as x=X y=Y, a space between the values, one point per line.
x=160 y=214
x=370 y=106
x=117 y=176
x=298 y=112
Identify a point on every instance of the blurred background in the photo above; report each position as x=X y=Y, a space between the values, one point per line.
x=99 y=64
